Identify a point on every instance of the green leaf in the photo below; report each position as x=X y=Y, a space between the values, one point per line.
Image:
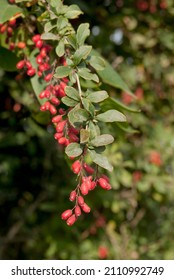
x=88 y=106
x=56 y=3
x=73 y=150
x=48 y=26
x=97 y=62
x=82 y=33
x=111 y=77
x=60 y=49
x=111 y=116
x=49 y=36
x=100 y=160
x=8 y=11
x=62 y=71
x=126 y=128
x=102 y=140
x=72 y=41
x=69 y=102
x=112 y=103
x=62 y=22
x=8 y=60
x=87 y=75
x=72 y=93
x=77 y=116
x=93 y=129
x=98 y=96
x=84 y=136
x=73 y=11
x=81 y=53
x=38 y=84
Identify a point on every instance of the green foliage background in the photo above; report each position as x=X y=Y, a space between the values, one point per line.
x=135 y=220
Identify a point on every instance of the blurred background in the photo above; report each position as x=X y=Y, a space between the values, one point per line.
x=135 y=220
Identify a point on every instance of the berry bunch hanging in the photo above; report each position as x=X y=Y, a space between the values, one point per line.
x=69 y=74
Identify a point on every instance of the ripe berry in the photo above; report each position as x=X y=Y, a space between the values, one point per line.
x=85 y=208
x=72 y=196
x=12 y=22
x=71 y=220
x=62 y=141
x=36 y=38
x=48 y=77
x=39 y=44
x=20 y=64
x=28 y=64
x=42 y=94
x=31 y=72
x=60 y=126
x=55 y=101
x=84 y=188
x=77 y=211
x=76 y=166
x=57 y=119
x=52 y=109
x=58 y=135
x=39 y=59
x=103 y=183
x=43 y=52
x=66 y=214
x=88 y=168
x=80 y=200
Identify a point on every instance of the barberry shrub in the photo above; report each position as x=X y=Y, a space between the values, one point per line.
x=40 y=40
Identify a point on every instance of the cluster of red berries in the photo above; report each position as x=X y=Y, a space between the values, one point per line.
x=8 y=29
x=65 y=133
x=86 y=184
x=151 y=5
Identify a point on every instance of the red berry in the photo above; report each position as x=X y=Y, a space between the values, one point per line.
x=36 y=38
x=80 y=200
x=52 y=109
x=77 y=211
x=42 y=108
x=58 y=135
x=12 y=22
x=20 y=64
x=55 y=101
x=76 y=166
x=28 y=64
x=85 y=208
x=88 y=168
x=72 y=196
x=39 y=44
x=66 y=214
x=73 y=137
x=71 y=220
x=62 y=141
x=60 y=126
x=48 y=77
x=47 y=105
x=31 y=72
x=39 y=59
x=57 y=119
x=42 y=94
x=84 y=188
x=93 y=185
x=103 y=183
x=43 y=52
x=3 y=28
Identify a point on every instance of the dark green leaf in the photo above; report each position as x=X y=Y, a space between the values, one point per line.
x=100 y=160
x=82 y=33
x=62 y=71
x=102 y=140
x=111 y=116
x=98 y=96
x=73 y=150
x=71 y=39
x=112 y=103
x=8 y=60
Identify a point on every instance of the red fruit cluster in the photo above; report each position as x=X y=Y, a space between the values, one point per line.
x=27 y=66
x=86 y=183
x=8 y=29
